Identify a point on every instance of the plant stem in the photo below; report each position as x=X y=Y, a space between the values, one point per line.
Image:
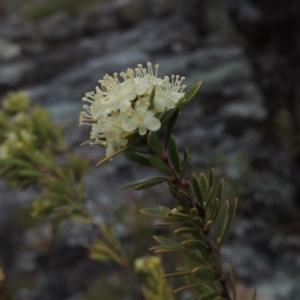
x=184 y=185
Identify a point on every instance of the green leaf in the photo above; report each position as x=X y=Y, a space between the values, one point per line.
x=86 y=143
x=133 y=135
x=154 y=143
x=170 y=127
x=153 y=212
x=216 y=209
x=138 y=159
x=107 y=158
x=168 y=248
x=179 y=214
x=174 y=154
x=194 y=244
x=203 y=186
x=101 y=249
x=186 y=223
x=195 y=255
x=197 y=190
x=205 y=273
x=30 y=173
x=202 y=289
x=232 y=277
x=100 y=256
x=185 y=164
x=254 y=295
x=160 y=165
x=15 y=162
x=186 y=230
x=222 y=221
x=210 y=296
x=145 y=182
x=166 y=209
x=211 y=182
x=176 y=274
x=173 y=111
x=151 y=98
x=163 y=240
x=190 y=94
x=190 y=286
x=220 y=189
x=231 y=217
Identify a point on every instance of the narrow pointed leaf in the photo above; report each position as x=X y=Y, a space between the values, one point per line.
x=167 y=248
x=179 y=214
x=184 y=167
x=166 y=209
x=137 y=159
x=163 y=240
x=186 y=230
x=197 y=190
x=190 y=94
x=204 y=186
x=222 y=220
x=159 y=164
x=211 y=182
x=111 y=155
x=190 y=286
x=170 y=127
x=194 y=244
x=202 y=289
x=205 y=273
x=185 y=223
x=196 y=256
x=174 y=154
x=86 y=143
x=134 y=135
x=216 y=209
x=151 y=98
x=173 y=111
x=232 y=277
x=149 y=181
x=148 y=184
x=219 y=191
x=231 y=217
x=176 y=274
x=153 y=212
x=15 y=162
x=154 y=143
x=30 y=173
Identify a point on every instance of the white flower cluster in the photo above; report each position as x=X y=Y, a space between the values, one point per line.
x=118 y=107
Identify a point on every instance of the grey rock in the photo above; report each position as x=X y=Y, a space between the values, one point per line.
x=15 y=73
x=245 y=110
x=9 y=50
x=59 y=27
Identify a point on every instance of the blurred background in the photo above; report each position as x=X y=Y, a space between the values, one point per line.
x=245 y=123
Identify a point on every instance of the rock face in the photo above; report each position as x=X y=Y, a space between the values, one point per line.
x=230 y=125
x=272 y=32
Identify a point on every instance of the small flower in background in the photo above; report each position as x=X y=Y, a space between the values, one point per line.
x=117 y=108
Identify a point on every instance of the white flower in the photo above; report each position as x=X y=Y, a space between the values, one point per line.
x=141 y=118
x=116 y=108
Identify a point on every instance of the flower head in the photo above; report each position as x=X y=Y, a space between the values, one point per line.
x=122 y=104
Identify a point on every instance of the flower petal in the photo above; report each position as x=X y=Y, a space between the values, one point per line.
x=152 y=123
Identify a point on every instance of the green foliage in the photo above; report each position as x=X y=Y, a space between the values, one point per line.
x=151 y=268
x=30 y=147
x=109 y=248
